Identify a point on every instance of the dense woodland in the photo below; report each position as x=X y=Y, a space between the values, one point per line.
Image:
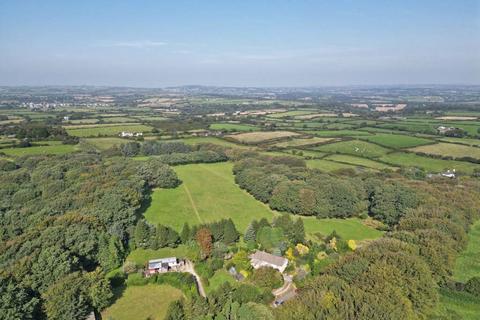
x=64 y=220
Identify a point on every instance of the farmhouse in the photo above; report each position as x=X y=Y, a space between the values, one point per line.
x=264 y=259
x=443 y=129
x=164 y=265
x=130 y=134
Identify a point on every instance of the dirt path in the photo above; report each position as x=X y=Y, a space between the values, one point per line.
x=189 y=195
x=190 y=269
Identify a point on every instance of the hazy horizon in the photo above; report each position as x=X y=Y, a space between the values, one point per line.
x=147 y=44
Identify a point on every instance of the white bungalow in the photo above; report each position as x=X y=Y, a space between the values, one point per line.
x=264 y=259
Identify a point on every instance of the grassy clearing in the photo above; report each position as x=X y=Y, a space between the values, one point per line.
x=397 y=140
x=301 y=142
x=106 y=130
x=119 y=119
x=467 y=264
x=358 y=161
x=232 y=127
x=40 y=150
x=143 y=302
x=263 y=136
x=208 y=193
x=403 y=159
x=449 y=149
x=347 y=228
x=354 y=147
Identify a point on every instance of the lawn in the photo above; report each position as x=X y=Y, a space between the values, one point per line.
x=397 y=141
x=403 y=159
x=232 y=127
x=363 y=162
x=208 y=193
x=40 y=150
x=143 y=302
x=106 y=130
x=449 y=149
x=221 y=276
x=354 y=147
x=467 y=264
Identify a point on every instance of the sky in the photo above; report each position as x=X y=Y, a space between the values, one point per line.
x=239 y=43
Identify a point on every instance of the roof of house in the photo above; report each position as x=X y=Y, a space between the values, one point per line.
x=269 y=258
x=157 y=263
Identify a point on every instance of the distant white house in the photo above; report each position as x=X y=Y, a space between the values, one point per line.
x=164 y=265
x=449 y=174
x=66 y=118
x=124 y=134
x=264 y=259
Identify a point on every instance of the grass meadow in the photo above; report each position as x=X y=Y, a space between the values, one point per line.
x=232 y=127
x=397 y=141
x=143 y=302
x=106 y=130
x=449 y=149
x=208 y=193
x=354 y=147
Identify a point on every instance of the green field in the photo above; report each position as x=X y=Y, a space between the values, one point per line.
x=467 y=264
x=338 y=133
x=343 y=158
x=403 y=159
x=39 y=150
x=105 y=143
x=301 y=142
x=208 y=193
x=143 y=302
x=449 y=149
x=232 y=127
x=106 y=130
x=354 y=147
x=290 y=113
x=397 y=141
x=346 y=228
x=212 y=140
x=465 y=141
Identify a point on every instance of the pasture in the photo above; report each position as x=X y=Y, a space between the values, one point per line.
x=259 y=137
x=208 y=193
x=357 y=161
x=327 y=166
x=105 y=130
x=292 y=113
x=40 y=150
x=301 y=142
x=403 y=159
x=450 y=150
x=338 y=133
x=397 y=141
x=150 y=301
x=354 y=147
x=232 y=127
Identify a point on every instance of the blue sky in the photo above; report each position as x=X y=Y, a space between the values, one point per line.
x=239 y=43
